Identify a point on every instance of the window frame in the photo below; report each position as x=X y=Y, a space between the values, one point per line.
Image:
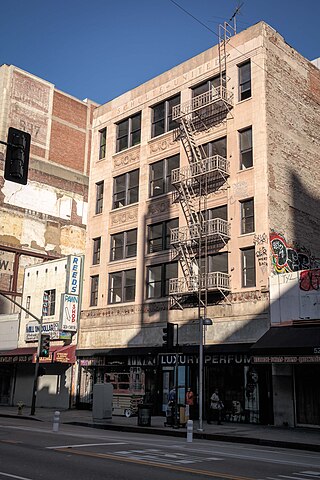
x=28 y=303
x=163 y=281
x=96 y=251
x=244 y=268
x=168 y=123
x=99 y=197
x=51 y=303
x=129 y=134
x=124 y=287
x=124 y=246
x=247 y=221
x=94 y=290
x=244 y=151
x=165 y=235
x=166 y=185
x=102 y=143
x=127 y=191
x=244 y=94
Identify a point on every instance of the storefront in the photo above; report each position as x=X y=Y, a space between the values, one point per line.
x=148 y=374
x=293 y=354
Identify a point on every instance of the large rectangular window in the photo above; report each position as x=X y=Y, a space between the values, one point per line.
x=244 y=80
x=162 y=116
x=247 y=216
x=99 y=196
x=217 y=262
x=49 y=303
x=129 y=132
x=248 y=266
x=122 y=286
x=123 y=245
x=216 y=147
x=103 y=141
x=160 y=175
x=126 y=189
x=217 y=212
x=94 y=286
x=246 y=154
x=159 y=235
x=158 y=277
x=206 y=86
x=96 y=251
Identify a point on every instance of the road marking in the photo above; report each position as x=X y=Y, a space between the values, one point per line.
x=10 y=441
x=87 y=445
x=154 y=464
x=317 y=474
x=14 y=476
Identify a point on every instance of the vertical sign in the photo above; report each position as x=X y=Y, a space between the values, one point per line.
x=74 y=275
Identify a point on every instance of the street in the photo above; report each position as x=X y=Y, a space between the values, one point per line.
x=31 y=451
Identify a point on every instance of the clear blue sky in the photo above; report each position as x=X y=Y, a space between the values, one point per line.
x=99 y=49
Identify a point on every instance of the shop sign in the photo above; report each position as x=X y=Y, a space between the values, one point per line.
x=73 y=275
x=32 y=331
x=287 y=359
x=69 y=312
x=135 y=360
x=168 y=359
x=16 y=359
x=6 y=261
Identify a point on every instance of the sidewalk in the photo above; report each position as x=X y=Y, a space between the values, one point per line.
x=284 y=437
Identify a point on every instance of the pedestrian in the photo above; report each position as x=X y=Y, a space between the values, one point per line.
x=216 y=407
x=190 y=402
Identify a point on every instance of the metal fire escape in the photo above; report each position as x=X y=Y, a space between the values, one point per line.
x=193 y=183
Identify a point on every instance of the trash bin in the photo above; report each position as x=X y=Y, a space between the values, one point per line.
x=144 y=415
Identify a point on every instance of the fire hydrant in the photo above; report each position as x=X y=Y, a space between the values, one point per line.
x=20 y=407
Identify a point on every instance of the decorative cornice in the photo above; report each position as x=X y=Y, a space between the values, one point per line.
x=125 y=310
x=159 y=207
x=162 y=144
x=124 y=217
x=127 y=158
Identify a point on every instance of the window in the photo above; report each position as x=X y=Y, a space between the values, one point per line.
x=246 y=157
x=248 y=267
x=247 y=216
x=94 y=290
x=129 y=132
x=126 y=189
x=217 y=147
x=103 y=140
x=159 y=235
x=49 y=303
x=215 y=263
x=218 y=212
x=162 y=117
x=28 y=301
x=99 y=196
x=122 y=286
x=123 y=245
x=207 y=85
x=160 y=175
x=158 y=277
x=96 y=251
x=244 y=81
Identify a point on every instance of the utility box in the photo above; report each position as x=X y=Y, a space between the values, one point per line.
x=102 y=401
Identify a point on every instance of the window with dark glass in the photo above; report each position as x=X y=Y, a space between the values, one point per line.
x=96 y=251
x=162 y=116
x=126 y=189
x=159 y=235
x=218 y=212
x=99 y=196
x=160 y=175
x=103 y=140
x=28 y=301
x=129 y=132
x=158 y=277
x=123 y=245
x=244 y=80
x=216 y=147
x=49 y=303
x=215 y=263
x=94 y=286
x=246 y=155
x=247 y=216
x=248 y=267
x=122 y=286
x=207 y=85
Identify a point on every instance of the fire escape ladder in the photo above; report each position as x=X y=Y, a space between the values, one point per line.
x=193 y=151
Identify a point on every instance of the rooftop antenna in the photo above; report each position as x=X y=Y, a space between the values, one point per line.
x=233 y=17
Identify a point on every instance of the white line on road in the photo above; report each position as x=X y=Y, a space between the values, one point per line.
x=86 y=445
x=14 y=476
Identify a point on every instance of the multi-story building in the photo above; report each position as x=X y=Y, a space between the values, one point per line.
x=201 y=187
x=45 y=219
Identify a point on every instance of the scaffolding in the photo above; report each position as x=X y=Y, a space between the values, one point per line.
x=193 y=183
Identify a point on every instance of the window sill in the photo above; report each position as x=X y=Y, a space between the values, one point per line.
x=125 y=206
x=243 y=101
x=129 y=302
x=125 y=259
x=245 y=169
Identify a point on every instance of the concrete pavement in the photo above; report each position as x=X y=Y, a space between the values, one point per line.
x=284 y=437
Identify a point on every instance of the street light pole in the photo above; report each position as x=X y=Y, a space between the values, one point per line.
x=201 y=375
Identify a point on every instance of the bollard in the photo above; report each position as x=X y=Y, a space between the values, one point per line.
x=189 y=431
x=56 y=420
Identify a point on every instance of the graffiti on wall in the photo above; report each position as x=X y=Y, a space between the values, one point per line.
x=310 y=280
x=290 y=258
x=261 y=250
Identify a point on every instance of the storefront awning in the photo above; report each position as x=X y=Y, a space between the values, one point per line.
x=289 y=340
x=65 y=354
x=17 y=355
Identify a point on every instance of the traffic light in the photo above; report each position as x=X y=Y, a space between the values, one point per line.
x=44 y=346
x=17 y=157
x=168 y=333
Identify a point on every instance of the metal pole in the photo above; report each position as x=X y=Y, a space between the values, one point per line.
x=36 y=370
x=201 y=375
x=176 y=376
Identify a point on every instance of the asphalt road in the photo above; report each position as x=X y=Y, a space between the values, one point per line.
x=31 y=451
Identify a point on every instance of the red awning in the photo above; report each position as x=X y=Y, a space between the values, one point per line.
x=65 y=354
x=18 y=351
